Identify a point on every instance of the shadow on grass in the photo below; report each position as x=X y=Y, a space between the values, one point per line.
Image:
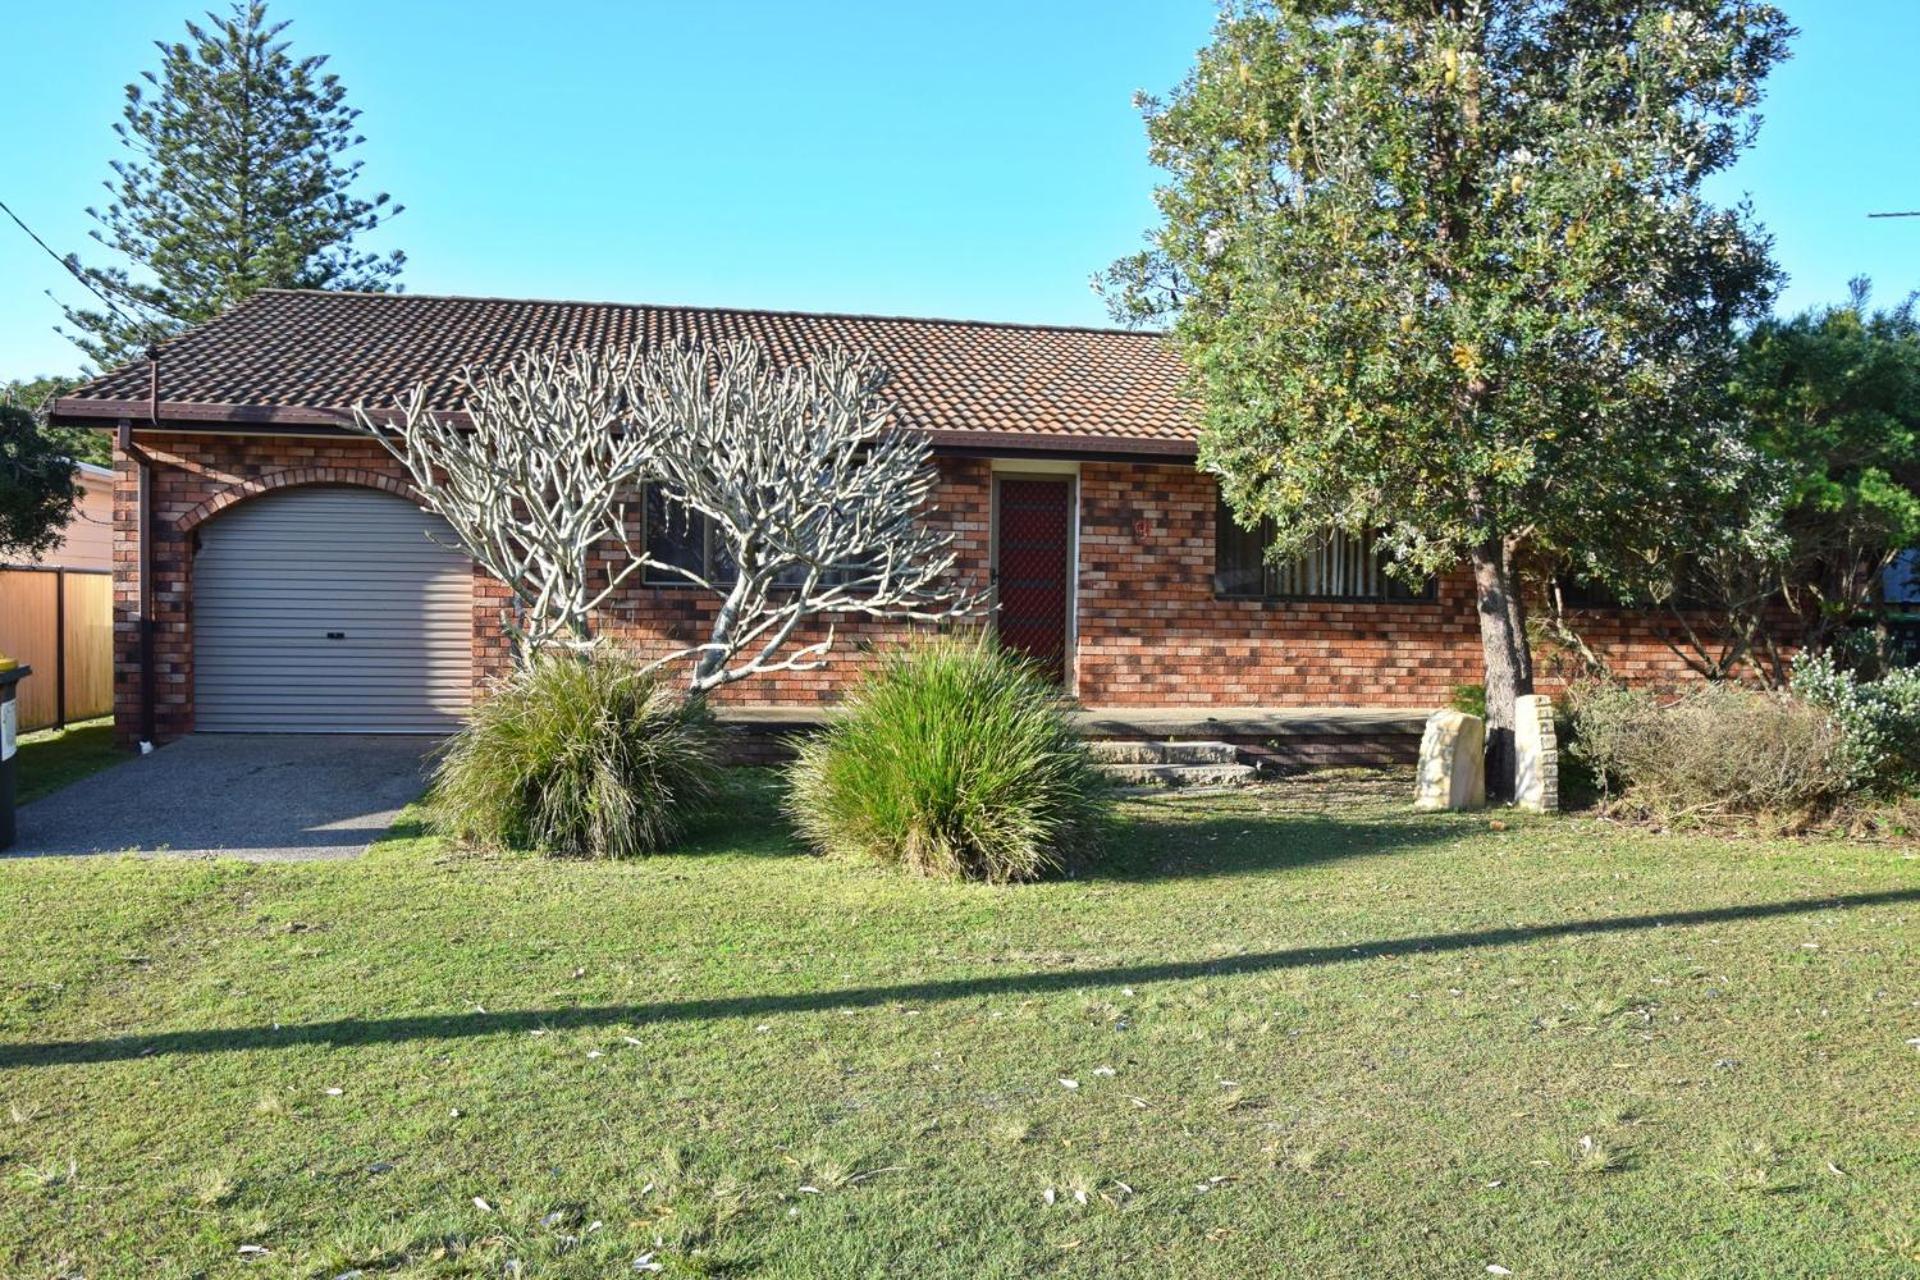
x=347 y=1032
x=1152 y=837
x=1149 y=839
x=1146 y=847
x=743 y=818
x=49 y=759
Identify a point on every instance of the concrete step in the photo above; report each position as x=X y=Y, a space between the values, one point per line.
x=1111 y=751
x=1179 y=775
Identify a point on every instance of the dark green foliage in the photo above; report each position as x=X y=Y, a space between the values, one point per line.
x=578 y=755
x=1837 y=392
x=33 y=394
x=36 y=397
x=1879 y=718
x=237 y=182
x=1470 y=698
x=1426 y=262
x=1831 y=408
x=37 y=490
x=1835 y=398
x=953 y=759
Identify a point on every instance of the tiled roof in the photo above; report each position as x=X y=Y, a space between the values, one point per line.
x=302 y=357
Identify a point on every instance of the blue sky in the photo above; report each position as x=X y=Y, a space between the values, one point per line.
x=977 y=159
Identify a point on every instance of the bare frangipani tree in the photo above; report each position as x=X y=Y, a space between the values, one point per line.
x=811 y=499
x=815 y=501
x=533 y=475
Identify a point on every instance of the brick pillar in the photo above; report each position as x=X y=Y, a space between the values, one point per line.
x=1539 y=751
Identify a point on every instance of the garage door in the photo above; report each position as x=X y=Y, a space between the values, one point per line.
x=321 y=610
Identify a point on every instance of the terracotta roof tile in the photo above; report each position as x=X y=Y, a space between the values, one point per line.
x=297 y=355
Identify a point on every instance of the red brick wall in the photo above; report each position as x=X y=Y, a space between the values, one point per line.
x=653 y=621
x=195 y=477
x=1150 y=631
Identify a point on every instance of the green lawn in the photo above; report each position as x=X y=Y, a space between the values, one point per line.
x=1281 y=1034
x=51 y=758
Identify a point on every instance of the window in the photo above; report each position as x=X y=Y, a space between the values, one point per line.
x=1901 y=582
x=1344 y=567
x=687 y=539
x=1686 y=588
x=680 y=537
x=1578 y=594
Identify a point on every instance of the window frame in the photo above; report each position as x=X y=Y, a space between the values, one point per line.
x=1587 y=597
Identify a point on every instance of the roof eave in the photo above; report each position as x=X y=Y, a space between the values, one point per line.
x=76 y=411
x=244 y=419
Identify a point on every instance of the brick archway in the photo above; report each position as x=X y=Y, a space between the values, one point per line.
x=287 y=478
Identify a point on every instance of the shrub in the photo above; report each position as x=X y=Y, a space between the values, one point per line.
x=1471 y=699
x=578 y=755
x=953 y=759
x=1717 y=749
x=1879 y=719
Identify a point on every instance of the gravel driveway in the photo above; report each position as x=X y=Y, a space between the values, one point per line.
x=259 y=796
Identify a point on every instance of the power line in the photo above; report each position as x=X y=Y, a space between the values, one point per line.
x=1910 y=213
x=151 y=328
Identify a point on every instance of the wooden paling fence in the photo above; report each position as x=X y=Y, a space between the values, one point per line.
x=59 y=622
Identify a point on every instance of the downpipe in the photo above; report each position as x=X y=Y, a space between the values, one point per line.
x=143 y=543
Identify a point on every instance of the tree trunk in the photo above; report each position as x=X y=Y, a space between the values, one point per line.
x=1509 y=663
x=710 y=662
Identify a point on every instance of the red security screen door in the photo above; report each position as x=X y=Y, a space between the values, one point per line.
x=1035 y=528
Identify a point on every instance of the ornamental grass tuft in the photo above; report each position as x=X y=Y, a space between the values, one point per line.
x=952 y=759
x=578 y=755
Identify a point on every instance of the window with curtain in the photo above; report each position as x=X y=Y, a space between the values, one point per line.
x=1343 y=567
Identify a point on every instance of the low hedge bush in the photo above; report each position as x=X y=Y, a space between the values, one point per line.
x=953 y=759
x=1714 y=750
x=578 y=755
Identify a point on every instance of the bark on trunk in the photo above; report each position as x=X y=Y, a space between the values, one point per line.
x=713 y=659
x=1509 y=664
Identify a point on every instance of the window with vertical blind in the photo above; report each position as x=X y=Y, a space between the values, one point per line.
x=684 y=538
x=1343 y=567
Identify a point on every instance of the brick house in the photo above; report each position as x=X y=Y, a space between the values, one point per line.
x=273 y=575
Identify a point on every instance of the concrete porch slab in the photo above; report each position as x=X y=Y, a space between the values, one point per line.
x=1248 y=722
x=1153 y=722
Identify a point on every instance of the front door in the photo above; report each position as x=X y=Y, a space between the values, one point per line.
x=1034 y=542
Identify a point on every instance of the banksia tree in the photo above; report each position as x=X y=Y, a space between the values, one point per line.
x=1443 y=270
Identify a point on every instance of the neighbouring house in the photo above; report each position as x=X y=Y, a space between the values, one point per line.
x=273 y=575
x=88 y=543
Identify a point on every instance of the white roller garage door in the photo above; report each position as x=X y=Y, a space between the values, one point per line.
x=324 y=610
